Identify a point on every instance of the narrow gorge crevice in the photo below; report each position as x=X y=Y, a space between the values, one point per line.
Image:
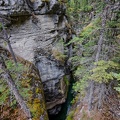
x=65 y=107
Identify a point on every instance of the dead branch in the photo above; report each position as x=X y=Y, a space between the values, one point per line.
x=6 y=39
x=13 y=88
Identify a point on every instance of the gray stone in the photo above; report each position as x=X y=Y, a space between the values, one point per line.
x=36 y=39
x=25 y=7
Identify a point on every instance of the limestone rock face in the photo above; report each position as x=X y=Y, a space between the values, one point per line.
x=37 y=39
x=8 y=7
x=23 y=7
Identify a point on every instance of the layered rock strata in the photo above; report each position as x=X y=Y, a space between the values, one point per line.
x=37 y=33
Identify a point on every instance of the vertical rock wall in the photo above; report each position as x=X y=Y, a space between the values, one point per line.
x=37 y=34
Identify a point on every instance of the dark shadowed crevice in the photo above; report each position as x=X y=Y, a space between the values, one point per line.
x=65 y=106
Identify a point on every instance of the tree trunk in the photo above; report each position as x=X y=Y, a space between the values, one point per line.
x=14 y=89
x=6 y=38
x=100 y=41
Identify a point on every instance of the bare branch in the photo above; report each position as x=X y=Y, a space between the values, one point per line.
x=6 y=38
x=14 y=89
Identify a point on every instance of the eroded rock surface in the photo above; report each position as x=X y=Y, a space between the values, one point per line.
x=37 y=39
x=23 y=7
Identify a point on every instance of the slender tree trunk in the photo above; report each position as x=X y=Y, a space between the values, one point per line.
x=100 y=41
x=14 y=89
x=6 y=38
x=91 y=95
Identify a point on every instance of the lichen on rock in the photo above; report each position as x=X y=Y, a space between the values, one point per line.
x=36 y=28
x=29 y=85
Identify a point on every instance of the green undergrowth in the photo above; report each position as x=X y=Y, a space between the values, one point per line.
x=29 y=86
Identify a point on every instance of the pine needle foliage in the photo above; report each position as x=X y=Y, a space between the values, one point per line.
x=86 y=43
x=103 y=72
